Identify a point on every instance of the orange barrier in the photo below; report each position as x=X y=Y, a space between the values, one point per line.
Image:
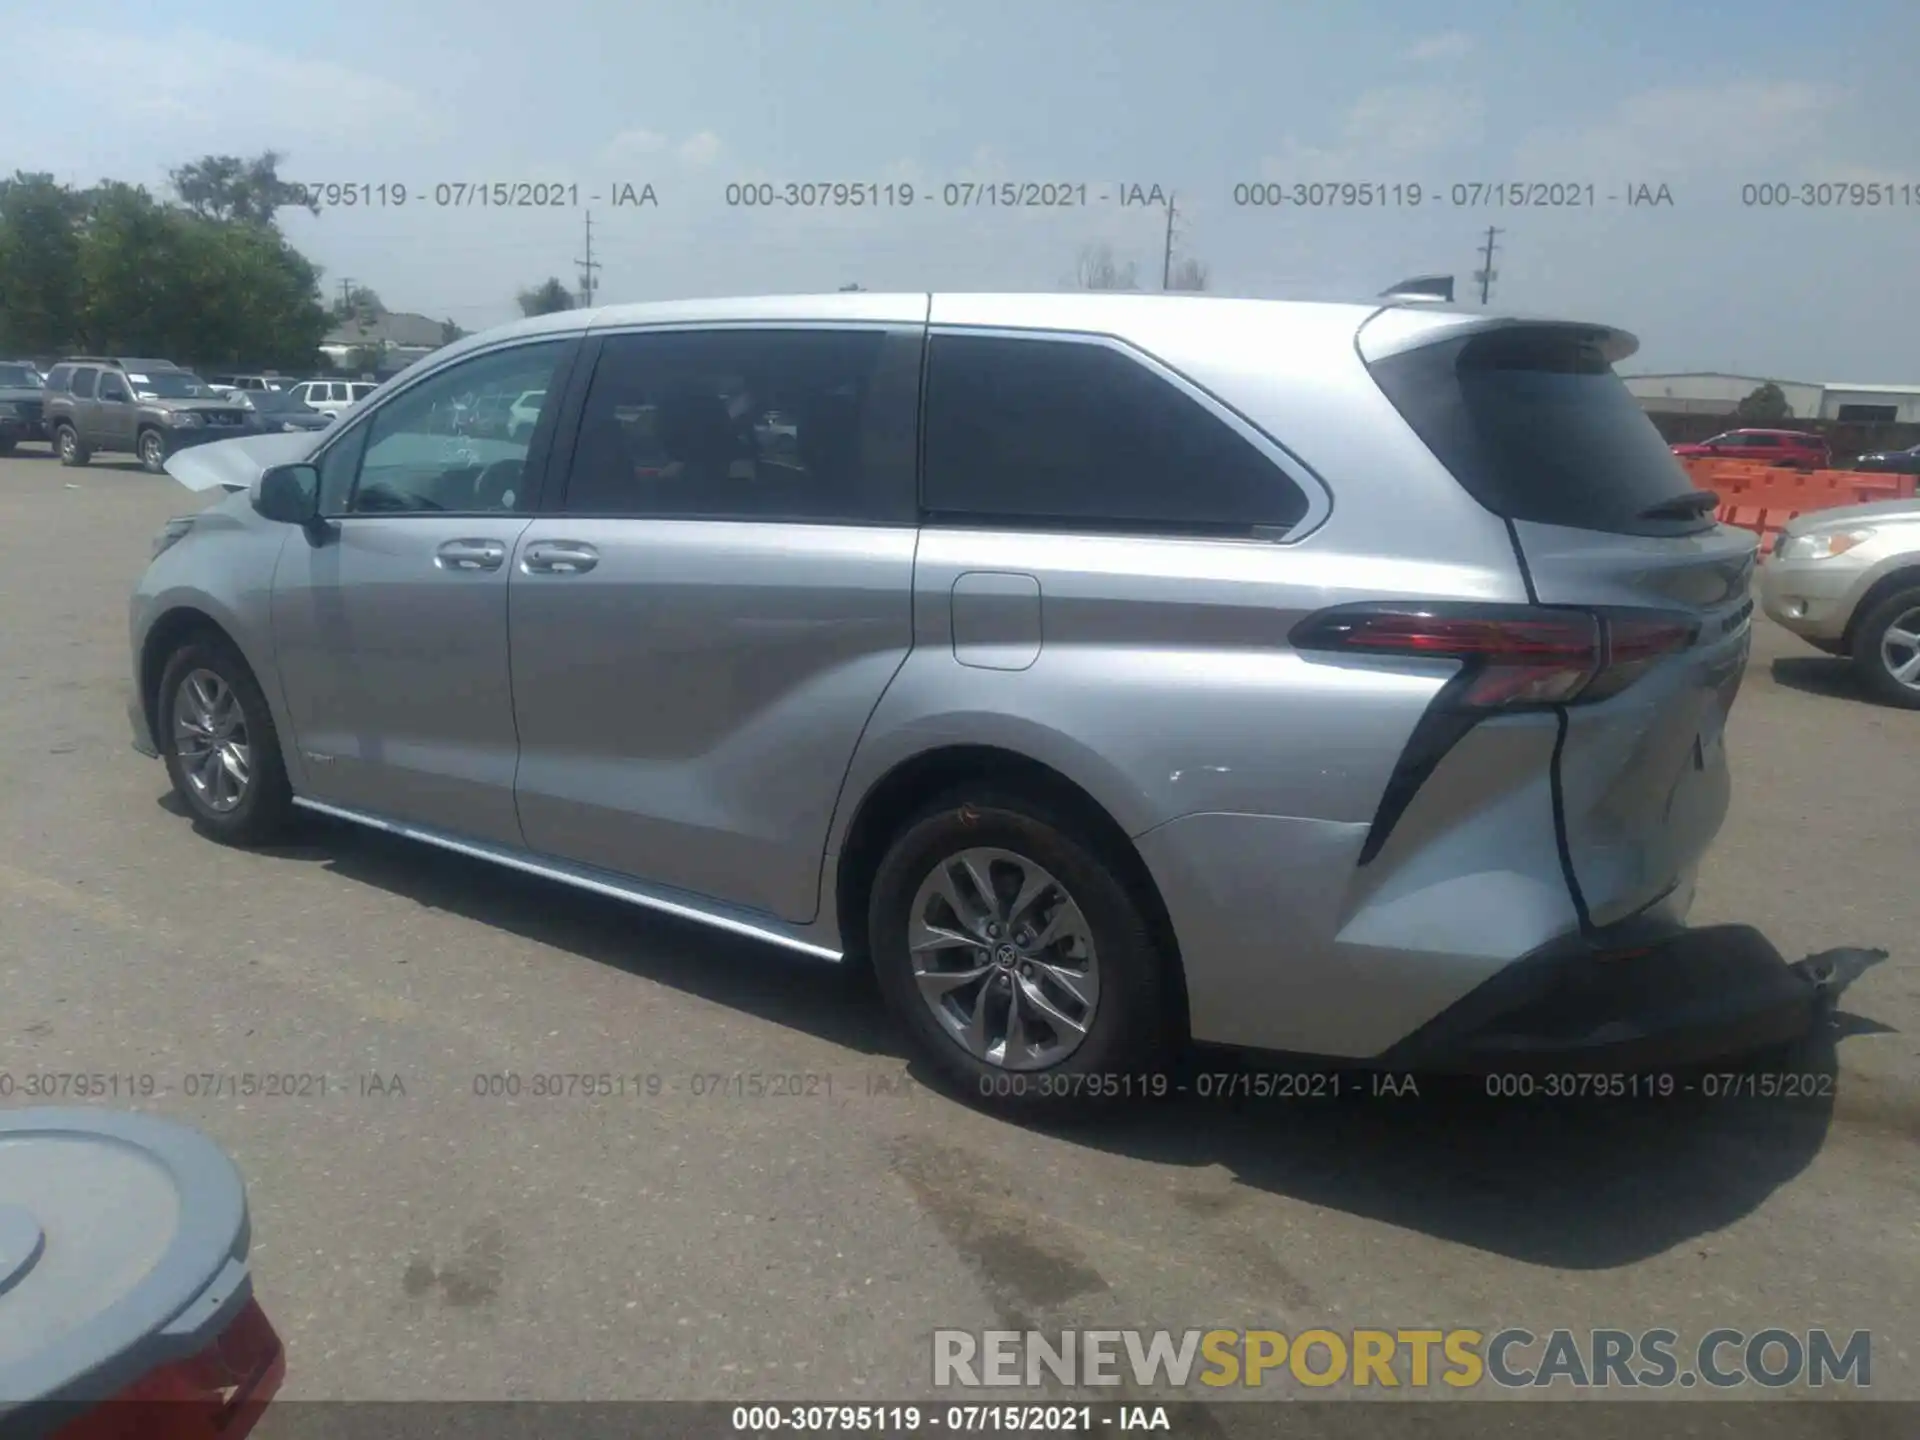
x=1763 y=498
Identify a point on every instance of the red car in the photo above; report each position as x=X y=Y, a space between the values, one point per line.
x=1774 y=447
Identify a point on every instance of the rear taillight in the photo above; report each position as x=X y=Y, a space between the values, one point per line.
x=1512 y=656
x=218 y=1394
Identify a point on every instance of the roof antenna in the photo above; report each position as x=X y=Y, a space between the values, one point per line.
x=1431 y=289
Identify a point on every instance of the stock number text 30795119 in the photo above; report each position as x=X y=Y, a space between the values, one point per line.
x=470 y=195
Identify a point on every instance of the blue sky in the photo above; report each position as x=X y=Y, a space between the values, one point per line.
x=1197 y=97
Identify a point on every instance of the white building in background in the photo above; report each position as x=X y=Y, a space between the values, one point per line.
x=1707 y=392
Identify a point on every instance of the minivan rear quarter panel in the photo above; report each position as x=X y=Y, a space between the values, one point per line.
x=1249 y=773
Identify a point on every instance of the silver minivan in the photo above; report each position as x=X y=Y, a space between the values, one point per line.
x=1108 y=672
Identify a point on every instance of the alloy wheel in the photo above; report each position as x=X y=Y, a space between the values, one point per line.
x=210 y=736
x=1004 y=958
x=1900 y=649
x=152 y=451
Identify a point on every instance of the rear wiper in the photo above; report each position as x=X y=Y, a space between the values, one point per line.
x=1680 y=507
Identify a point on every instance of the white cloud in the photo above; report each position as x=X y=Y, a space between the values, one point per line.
x=1684 y=129
x=1386 y=126
x=1451 y=45
x=632 y=144
x=699 y=150
x=694 y=151
x=202 y=88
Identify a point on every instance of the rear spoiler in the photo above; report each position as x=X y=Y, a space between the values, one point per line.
x=1395 y=329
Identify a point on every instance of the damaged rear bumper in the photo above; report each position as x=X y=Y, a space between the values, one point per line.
x=1630 y=998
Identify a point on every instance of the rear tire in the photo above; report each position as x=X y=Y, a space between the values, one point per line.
x=1080 y=937
x=222 y=752
x=66 y=444
x=1886 y=646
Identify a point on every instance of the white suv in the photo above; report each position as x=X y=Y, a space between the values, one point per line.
x=330 y=397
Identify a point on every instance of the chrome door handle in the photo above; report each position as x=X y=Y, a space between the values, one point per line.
x=559 y=557
x=471 y=555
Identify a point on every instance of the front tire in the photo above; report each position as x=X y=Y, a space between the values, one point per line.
x=220 y=746
x=1886 y=650
x=1009 y=951
x=152 y=450
x=66 y=443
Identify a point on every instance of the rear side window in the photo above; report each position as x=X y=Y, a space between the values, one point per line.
x=775 y=425
x=1079 y=435
x=83 y=382
x=1535 y=425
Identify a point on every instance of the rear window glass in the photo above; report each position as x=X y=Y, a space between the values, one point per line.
x=1078 y=435
x=1535 y=425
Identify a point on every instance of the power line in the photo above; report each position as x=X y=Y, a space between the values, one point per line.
x=1166 y=253
x=1486 y=274
x=588 y=284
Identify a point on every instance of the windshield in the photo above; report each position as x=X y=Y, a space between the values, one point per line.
x=22 y=377
x=170 y=385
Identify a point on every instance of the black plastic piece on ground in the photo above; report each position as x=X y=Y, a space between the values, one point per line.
x=1622 y=999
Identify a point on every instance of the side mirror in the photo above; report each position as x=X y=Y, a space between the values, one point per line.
x=289 y=494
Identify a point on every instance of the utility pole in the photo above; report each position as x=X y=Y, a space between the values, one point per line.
x=1486 y=273
x=1166 y=253
x=588 y=284
x=346 y=295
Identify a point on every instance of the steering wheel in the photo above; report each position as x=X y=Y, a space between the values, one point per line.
x=496 y=487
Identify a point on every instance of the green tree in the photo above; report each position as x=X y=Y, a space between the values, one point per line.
x=269 y=293
x=549 y=297
x=163 y=280
x=359 y=305
x=450 y=332
x=1764 y=404
x=227 y=187
x=39 y=264
x=114 y=268
x=134 y=275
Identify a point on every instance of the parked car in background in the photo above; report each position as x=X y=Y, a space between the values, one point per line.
x=1889 y=462
x=147 y=408
x=1796 y=448
x=277 y=410
x=249 y=382
x=1378 y=711
x=523 y=413
x=330 y=397
x=23 y=393
x=1847 y=581
x=491 y=417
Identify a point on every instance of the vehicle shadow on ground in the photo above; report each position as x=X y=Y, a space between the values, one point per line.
x=1582 y=1184
x=1828 y=676
x=1820 y=675
x=1572 y=1184
x=835 y=1002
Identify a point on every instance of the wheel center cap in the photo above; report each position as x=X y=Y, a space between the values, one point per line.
x=1006 y=957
